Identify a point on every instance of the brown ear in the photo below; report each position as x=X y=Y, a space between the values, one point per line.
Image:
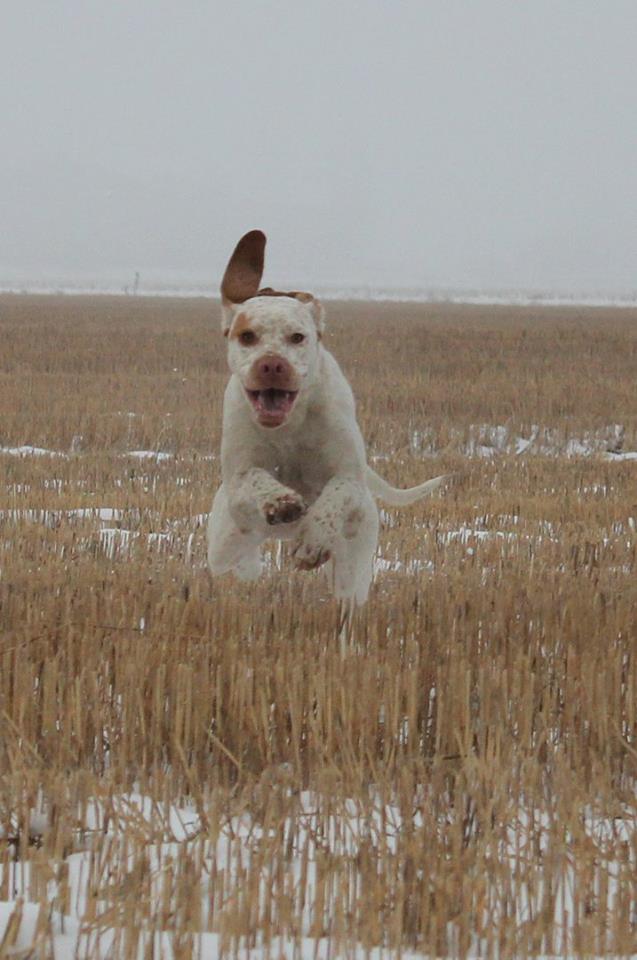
x=245 y=269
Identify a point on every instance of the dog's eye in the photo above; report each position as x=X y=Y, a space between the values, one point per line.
x=247 y=337
x=297 y=338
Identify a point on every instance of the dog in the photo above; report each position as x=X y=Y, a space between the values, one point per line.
x=293 y=459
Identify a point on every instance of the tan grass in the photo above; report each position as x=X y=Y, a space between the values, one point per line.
x=483 y=726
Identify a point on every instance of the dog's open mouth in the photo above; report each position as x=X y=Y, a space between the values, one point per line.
x=272 y=406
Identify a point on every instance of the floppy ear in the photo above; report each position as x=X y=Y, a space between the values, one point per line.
x=243 y=274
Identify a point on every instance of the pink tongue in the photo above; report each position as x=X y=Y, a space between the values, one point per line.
x=274 y=400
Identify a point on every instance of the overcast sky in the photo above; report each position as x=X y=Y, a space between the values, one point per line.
x=392 y=143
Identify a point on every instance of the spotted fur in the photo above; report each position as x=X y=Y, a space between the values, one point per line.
x=305 y=478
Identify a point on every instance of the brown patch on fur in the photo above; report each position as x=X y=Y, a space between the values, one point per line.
x=322 y=558
x=293 y=294
x=269 y=292
x=240 y=324
x=302 y=296
x=352 y=523
x=285 y=509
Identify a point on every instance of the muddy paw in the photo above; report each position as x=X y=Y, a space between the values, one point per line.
x=310 y=556
x=285 y=509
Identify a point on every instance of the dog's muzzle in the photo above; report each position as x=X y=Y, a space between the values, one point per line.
x=272 y=389
x=272 y=406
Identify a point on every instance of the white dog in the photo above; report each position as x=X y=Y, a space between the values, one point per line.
x=292 y=456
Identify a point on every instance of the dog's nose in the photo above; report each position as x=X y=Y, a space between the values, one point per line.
x=272 y=366
x=271 y=371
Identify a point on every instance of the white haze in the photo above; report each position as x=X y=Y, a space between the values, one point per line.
x=381 y=144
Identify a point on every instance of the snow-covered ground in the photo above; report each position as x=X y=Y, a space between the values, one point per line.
x=26 y=450
x=487 y=441
x=477 y=441
x=118 y=532
x=188 y=288
x=78 y=921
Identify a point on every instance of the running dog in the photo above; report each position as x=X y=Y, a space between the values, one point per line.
x=293 y=459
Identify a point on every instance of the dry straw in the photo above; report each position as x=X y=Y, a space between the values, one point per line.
x=462 y=778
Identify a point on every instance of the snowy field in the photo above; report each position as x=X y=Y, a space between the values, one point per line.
x=187 y=287
x=192 y=769
x=73 y=924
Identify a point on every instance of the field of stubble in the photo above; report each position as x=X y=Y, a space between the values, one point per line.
x=190 y=766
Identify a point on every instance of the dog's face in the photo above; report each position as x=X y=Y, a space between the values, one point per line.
x=273 y=338
x=273 y=350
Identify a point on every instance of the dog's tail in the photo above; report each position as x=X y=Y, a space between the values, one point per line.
x=401 y=498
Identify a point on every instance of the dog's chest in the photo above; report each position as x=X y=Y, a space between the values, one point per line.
x=302 y=466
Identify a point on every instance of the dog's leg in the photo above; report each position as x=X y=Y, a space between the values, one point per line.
x=364 y=549
x=228 y=548
x=342 y=526
x=353 y=558
x=336 y=513
x=258 y=501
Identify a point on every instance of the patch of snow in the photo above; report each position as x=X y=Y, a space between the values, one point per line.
x=480 y=441
x=383 y=565
x=52 y=518
x=466 y=533
x=578 y=448
x=618 y=457
x=165 y=834
x=114 y=540
x=154 y=819
x=157 y=455
x=487 y=441
x=29 y=451
x=522 y=444
x=18 y=927
x=185 y=287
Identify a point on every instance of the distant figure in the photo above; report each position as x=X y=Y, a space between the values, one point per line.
x=136 y=283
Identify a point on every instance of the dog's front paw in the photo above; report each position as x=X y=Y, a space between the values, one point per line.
x=285 y=508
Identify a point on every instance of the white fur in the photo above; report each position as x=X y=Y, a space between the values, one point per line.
x=307 y=480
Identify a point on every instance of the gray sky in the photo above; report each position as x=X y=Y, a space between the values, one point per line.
x=391 y=143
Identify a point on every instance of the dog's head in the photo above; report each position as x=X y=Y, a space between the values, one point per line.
x=272 y=336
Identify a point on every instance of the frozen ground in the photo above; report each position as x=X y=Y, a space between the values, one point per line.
x=186 y=287
x=478 y=440
x=487 y=441
x=118 y=532
x=76 y=922
x=164 y=836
